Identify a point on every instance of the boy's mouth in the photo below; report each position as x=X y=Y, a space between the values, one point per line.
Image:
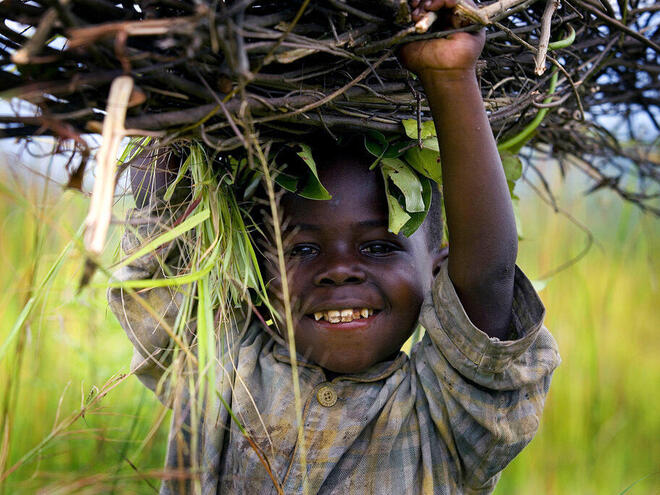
x=342 y=315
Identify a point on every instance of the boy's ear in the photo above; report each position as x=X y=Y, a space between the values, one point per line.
x=439 y=257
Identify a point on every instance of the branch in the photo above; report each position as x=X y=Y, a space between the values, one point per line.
x=546 y=25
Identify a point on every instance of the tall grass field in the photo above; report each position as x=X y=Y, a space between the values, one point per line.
x=72 y=421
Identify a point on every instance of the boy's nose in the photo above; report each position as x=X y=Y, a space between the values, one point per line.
x=340 y=274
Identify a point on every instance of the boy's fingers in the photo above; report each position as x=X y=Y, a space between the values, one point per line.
x=470 y=3
x=422 y=7
x=432 y=5
x=415 y=3
x=460 y=21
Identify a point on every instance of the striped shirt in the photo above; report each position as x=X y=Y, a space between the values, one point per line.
x=445 y=420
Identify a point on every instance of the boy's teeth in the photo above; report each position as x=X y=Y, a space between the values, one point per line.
x=343 y=315
x=346 y=315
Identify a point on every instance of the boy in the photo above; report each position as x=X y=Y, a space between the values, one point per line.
x=446 y=420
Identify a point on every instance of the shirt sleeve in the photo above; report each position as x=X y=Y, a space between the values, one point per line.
x=143 y=313
x=486 y=393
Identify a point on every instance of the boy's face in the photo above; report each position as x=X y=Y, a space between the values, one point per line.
x=341 y=258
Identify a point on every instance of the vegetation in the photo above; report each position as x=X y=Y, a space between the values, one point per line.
x=235 y=74
x=597 y=435
x=228 y=89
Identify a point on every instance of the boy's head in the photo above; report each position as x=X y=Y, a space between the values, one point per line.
x=343 y=264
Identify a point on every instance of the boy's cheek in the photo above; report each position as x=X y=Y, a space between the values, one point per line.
x=276 y=299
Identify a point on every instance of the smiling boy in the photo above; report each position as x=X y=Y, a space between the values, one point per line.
x=344 y=265
x=445 y=420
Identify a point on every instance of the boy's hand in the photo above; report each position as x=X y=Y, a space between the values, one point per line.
x=443 y=56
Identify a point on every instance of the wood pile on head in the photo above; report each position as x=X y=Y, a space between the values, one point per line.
x=225 y=73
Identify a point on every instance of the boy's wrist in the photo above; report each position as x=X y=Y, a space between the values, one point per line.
x=438 y=77
x=449 y=84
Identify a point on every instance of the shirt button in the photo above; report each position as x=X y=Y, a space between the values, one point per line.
x=326 y=396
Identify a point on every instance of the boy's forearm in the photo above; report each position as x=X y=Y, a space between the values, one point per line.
x=482 y=231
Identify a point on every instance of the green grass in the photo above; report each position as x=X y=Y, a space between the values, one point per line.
x=599 y=434
x=68 y=348
x=601 y=428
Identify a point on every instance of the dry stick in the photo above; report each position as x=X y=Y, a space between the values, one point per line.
x=483 y=15
x=330 y=97
x=518 y=7
x=546 y=25
x=226 y=113
x=322 y=45
x=499 y=8
x=193 y=115
x=552 y=59
x=620 y=26
x=419 y=28
x=356 y=12
x=289 y=29
x=150 y=27
x=38 y=39
x=98 y=218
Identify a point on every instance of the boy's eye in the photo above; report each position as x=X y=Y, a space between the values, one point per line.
x=303 y=250
x=379 y=248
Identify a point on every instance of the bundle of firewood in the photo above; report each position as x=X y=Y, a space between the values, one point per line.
x=220 y=72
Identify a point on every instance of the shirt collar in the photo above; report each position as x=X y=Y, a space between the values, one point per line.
x=378 y=371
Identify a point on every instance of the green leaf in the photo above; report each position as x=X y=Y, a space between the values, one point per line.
x=194 y=156
x=313 y=188
x=425 y=161
x=286 y=181
x=396 y=149
x=512 y=165
x=427 y=129
x=252 y=184
x=516 y=215
x=378 y=145
x=407 y=182
x=397 y=215
x=416 y=219
x=431 y=144
x=375 y=143
x=512 y=168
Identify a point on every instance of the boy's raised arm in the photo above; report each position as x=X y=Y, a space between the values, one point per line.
x=482 y=232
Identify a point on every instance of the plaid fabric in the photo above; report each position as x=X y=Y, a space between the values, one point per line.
x=446 y=420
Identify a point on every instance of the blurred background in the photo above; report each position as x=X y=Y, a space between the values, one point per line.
x=72 y=422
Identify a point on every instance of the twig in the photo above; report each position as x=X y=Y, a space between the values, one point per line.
x=619 y=26
x=100 y=207
x=332 y=95
x=38 y=39
x=80 y=37
x=546 y=24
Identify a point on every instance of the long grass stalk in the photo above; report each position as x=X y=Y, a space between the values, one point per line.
x=63 y=425
x=38 y=292
x=166 y=237
x=287 y=309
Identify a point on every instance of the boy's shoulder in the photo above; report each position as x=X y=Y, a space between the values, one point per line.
x=530 y=353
